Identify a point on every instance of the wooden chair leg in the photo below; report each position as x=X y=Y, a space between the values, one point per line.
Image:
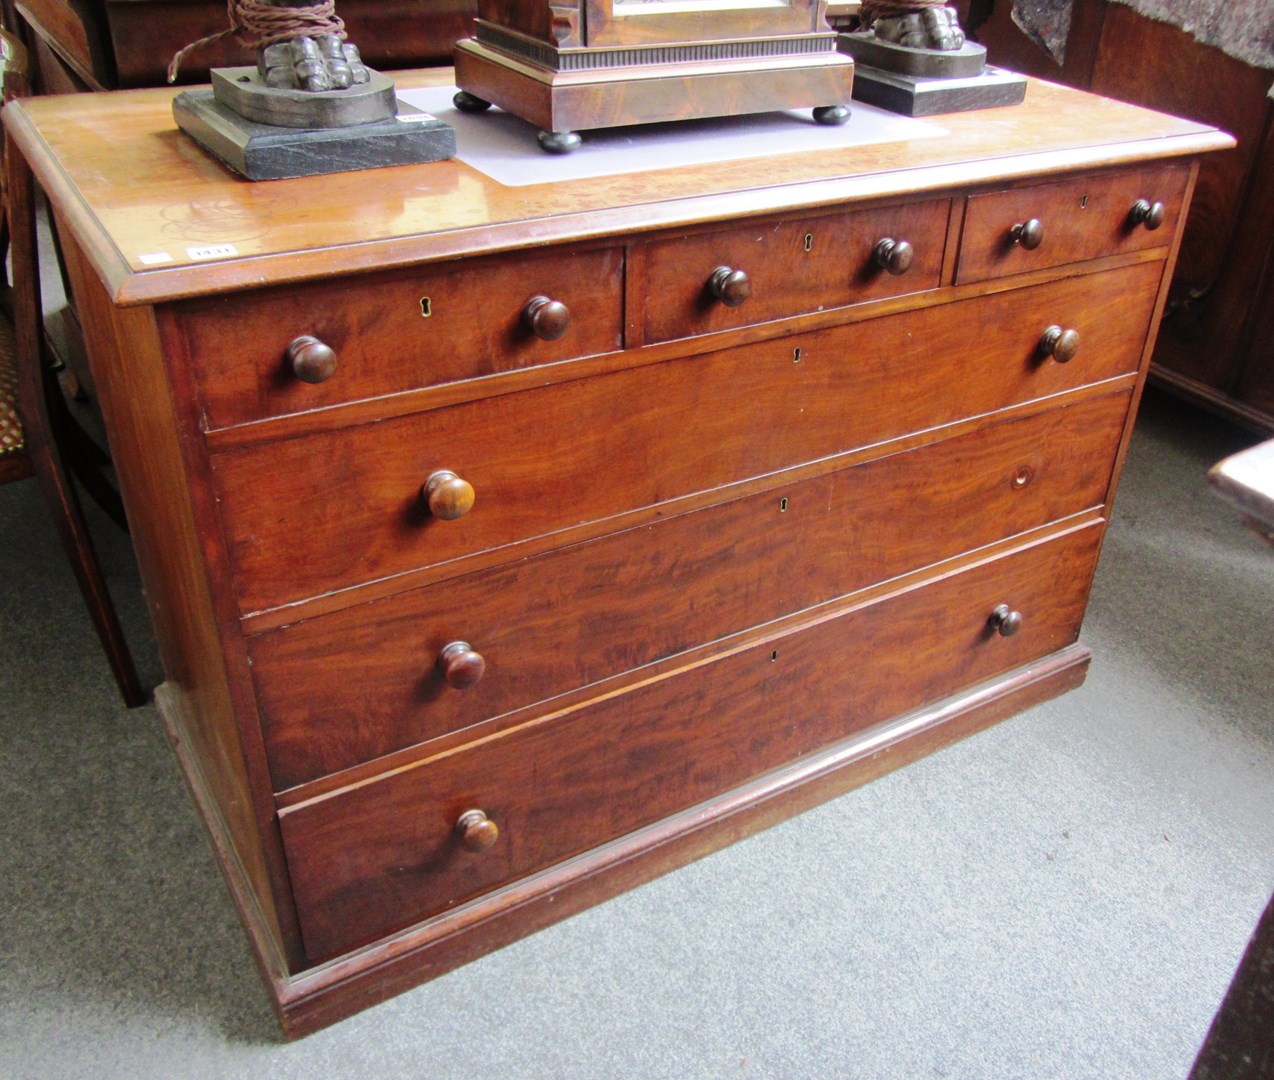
x=64 y=505
x=81 y=456
x=44 y=454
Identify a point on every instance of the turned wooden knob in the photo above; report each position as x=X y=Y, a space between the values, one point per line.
x=1005 y=621
x=894 y=255
x=1061 y=345
x=547 y=319
x=1146 y=213
x=729 y=286
x=477 y=832
x=460 y=665
x=1030 y=234
x=311 y=361
x=448 y=496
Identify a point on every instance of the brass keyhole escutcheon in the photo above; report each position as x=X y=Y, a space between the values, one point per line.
x=809 y=241
x=1022 y=477
x=783 y=506
x=796 y=356
x=1083 y=202
x=426 y=307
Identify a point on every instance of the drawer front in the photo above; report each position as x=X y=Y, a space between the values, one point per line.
x=792 y=266
x=308 y=516
x=1084 y=218
x=348 y=687
x=395 y=332
x=381 y=855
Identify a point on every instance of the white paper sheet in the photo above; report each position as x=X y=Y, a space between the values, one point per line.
x=504 y=148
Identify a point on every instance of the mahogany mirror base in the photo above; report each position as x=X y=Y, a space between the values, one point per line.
x=564 y=102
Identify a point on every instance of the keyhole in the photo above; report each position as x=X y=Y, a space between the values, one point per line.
x=809 y=241
x=1083 y=203
x=796 y=356
x=774 y=655
x=783 y=506
x=426 y=307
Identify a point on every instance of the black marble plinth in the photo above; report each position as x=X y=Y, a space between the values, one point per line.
x=914 y=95
x=264 y=152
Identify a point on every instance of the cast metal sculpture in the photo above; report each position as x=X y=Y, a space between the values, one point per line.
x=310 y=80
x=307 y=74
x=920 y=24
x=913 y=58
x=299 y=46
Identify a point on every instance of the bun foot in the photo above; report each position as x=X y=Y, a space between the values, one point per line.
x=469 y=103
x=559 y=142
x=832 y=115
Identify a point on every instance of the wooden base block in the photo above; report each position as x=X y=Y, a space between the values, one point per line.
x=263 y=152
x=915 y=95
x=562 y=101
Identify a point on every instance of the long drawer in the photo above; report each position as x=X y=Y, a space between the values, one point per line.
x=383 y=854
x=347 y=687
x=308 y=516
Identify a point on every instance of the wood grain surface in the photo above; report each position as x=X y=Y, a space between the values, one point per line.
x=394 y=332
x=795 y=266
x=380 y=855
x=133 y=186
x=307 y=517
x=1081 y=219
x=677 y=571
x=351 y=686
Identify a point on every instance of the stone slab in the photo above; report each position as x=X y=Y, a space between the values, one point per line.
x=913 y=95
x=262 y=152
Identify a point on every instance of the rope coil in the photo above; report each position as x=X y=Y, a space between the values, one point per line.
x=258 y=25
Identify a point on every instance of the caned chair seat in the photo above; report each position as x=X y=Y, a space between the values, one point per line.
x=12 y=438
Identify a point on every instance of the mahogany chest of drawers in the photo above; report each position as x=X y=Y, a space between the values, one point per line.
x=508 y=546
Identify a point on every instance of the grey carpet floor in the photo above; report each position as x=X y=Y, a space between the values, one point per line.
x=1063 y=896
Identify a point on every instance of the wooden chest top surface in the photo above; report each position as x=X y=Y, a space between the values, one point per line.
x=129 y=183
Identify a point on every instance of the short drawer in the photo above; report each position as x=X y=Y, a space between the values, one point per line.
x=372 y=858
x=1043 y=225
x=348 y=687
x=388 y=333
x=791 y=267
x=305 y=517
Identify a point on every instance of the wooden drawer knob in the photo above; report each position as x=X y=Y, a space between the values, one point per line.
x=1146 y=213
x=729 y=286
x=1061 y=345
x=1005 y=621
x=477 y=832
x=311 y=361
x=894 y=255
x=461 y=666
x=1030 y=234
x=547 y=319
x=447 y=495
